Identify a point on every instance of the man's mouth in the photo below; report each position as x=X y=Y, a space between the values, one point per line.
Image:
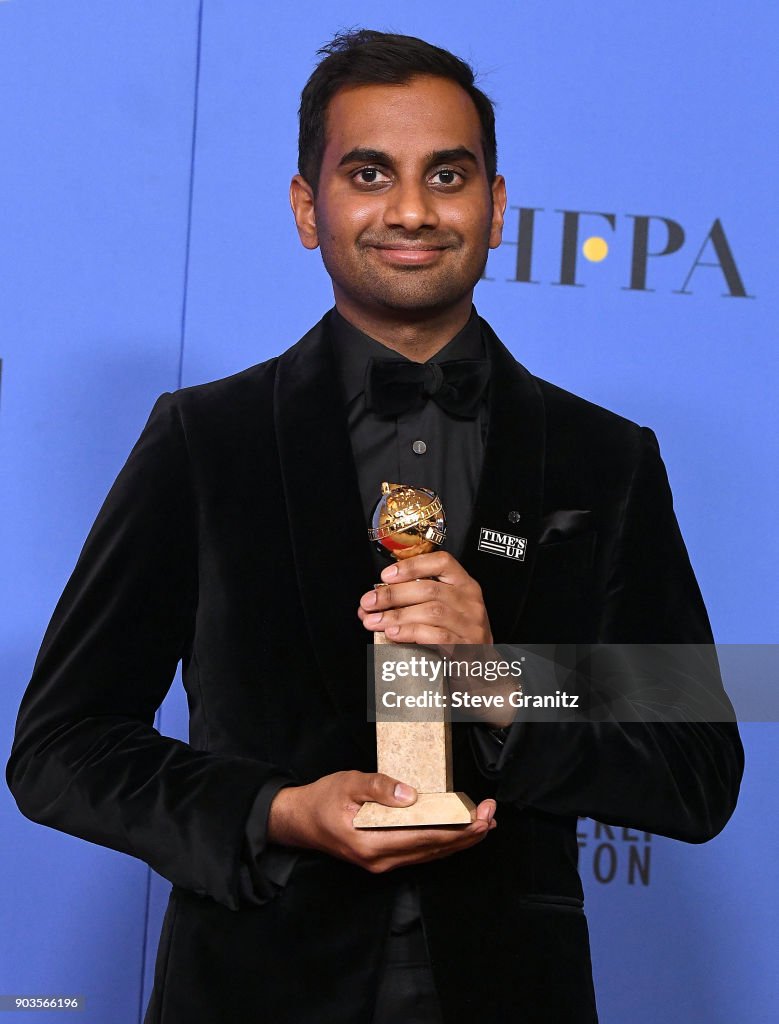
x=408 y=253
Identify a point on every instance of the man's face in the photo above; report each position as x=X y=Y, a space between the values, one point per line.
x=404 y=214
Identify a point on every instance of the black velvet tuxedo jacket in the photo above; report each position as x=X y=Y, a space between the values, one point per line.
x=234 y=540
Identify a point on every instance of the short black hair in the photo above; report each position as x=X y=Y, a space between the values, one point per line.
x=365 y=57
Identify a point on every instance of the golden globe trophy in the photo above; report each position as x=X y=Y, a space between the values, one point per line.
x=410 y=521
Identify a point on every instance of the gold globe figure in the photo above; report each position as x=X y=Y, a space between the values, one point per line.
x=407 y=521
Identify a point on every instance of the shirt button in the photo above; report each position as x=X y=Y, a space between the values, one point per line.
x=419 y=447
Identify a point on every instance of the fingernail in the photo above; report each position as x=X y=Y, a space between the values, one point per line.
x=389 y=573
x=403 y=792
x=369 y=599
x=374 y=619
x=391 y=630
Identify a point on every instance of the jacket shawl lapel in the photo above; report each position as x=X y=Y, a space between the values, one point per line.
x=511 y=485
x=327 y=528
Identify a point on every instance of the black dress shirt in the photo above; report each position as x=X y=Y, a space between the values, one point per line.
x=424 y=447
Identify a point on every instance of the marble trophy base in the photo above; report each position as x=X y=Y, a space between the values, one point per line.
x=430 y=809
x=419 y=754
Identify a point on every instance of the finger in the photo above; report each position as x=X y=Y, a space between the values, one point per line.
x=363 y=787
x=421 y=633
x=486 y=811
x=441 y=641
x=426 y=625
x=446 y=614
x=424 y=601
x=398 y=849
x=436 y=563
x=401 y=594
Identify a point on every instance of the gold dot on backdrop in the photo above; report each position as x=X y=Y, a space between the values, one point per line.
x=595 y=249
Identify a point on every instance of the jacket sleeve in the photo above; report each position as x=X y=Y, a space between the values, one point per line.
x=86 y=758
x=665 y=767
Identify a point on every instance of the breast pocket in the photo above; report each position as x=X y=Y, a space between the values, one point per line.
x=572 y=555
x=561 y=607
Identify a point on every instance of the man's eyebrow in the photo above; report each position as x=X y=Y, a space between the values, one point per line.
x=438 y=156
x=362 y=155
x=450 y=156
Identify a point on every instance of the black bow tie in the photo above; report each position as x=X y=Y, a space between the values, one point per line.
x=394 y=386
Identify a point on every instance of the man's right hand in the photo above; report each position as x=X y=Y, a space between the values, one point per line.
x=319 y=817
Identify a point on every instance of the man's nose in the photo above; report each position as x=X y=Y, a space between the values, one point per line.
x=410 y=205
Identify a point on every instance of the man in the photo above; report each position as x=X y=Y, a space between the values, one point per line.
x=235 y=540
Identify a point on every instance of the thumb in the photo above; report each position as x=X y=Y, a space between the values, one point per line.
x=382 y=789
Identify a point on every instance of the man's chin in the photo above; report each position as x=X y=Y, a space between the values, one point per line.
x=415 y=291
x=416 y=307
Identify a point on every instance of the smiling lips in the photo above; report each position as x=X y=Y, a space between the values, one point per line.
x=409 y=255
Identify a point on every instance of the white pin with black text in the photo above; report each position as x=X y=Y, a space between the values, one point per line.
x=495 y=542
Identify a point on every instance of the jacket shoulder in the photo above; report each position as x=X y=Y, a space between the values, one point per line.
x=569 y=418
x=585 y=434
x=248 y=392
x=226 y=391
x=582 y=413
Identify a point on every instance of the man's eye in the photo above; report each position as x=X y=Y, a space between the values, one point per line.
x=446 y=176
x=370 y=176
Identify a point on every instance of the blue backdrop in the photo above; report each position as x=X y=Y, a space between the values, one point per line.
x=146 y=243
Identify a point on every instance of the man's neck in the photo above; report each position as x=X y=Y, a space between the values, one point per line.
x=417 y=340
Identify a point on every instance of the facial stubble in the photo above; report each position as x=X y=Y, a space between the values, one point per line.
x=405 y=289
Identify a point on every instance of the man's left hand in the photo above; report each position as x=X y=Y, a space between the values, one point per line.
x=429 y=599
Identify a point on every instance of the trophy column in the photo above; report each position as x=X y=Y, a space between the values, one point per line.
x=410 y=521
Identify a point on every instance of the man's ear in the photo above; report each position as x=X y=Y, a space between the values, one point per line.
x=498 y=210
x=301 y=198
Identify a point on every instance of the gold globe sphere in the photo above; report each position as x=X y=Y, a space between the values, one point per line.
x=407 y=521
